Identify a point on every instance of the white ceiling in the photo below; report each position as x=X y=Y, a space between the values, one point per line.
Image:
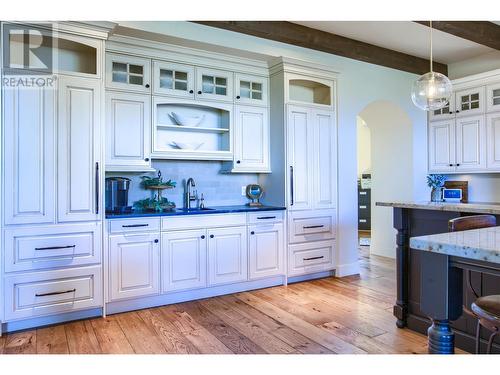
x=404 y=36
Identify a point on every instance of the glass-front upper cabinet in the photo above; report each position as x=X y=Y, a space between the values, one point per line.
x=214 y=84
x=173 y=79
x=250 y=89
x=128 y=73
x=448 y=111
x=470 y=101
x=493 y=97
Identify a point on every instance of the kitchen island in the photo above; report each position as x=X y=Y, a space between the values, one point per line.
x=412 y=219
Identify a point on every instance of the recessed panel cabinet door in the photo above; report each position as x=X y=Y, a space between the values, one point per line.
x=493 y=136
x=325 y=159
x=184 y=260
x=227 y=255
x=442 y=146
x=266 y=250
x=300 y=158
x=134 y=262
x=251 y=139
x=471 y=143
x=78 y=149
x=29 y=116
x=128 y=131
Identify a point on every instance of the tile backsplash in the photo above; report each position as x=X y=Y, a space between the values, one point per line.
x=219 y=189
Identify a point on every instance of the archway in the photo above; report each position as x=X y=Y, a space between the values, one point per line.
x=385 y=133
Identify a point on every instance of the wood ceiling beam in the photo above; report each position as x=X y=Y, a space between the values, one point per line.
x=481 y=32
x=303 y=36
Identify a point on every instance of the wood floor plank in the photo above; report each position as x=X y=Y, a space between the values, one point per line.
x=110 y=336
x=141 y=336
x=21 y=343
x=82 y=338
x=230 y=337
x=172 y=339
x=2 y=342
x=52 y=340
x=307 y=329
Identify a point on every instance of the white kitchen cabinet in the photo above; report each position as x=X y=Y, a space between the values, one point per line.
x=29 y=117
x=184 y=260
x=227 y=255
x=311 y=257
x=128 y=132
x=251 y=89
x=251 y=140
x=493 y=141
x=447 y=112
x=441 y=146
x=134 y=265
x=470 y=101
x=212 y=84
x=471 y=143
x=79 y=102
x=312 y=158
x=266 y=250
x=130 y=73
x=493 y=97
x=173 y=79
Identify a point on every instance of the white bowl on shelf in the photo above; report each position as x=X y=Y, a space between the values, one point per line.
x=187 y=120
x=187 y=146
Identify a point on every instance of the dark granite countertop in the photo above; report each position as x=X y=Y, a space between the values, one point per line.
x=210 y=210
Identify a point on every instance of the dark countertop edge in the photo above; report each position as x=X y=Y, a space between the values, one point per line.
x=217 y=210
x=471 y=207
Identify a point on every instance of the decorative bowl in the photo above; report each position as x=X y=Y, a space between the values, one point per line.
x=187 y=120
x=187 y=146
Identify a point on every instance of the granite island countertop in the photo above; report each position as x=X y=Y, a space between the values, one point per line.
x=479 y=244
x=472 y=207
x=210 y=210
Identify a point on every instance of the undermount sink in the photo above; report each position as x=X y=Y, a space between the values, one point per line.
x=197 y=209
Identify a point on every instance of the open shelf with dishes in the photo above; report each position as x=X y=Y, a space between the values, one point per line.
x=192 y=129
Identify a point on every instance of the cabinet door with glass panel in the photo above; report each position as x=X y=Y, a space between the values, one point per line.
x=250 y=89
x=129 y=73
x=470 y=101
x=493 y=97
x=447 y=112
x=214 y=84
x=173 y=79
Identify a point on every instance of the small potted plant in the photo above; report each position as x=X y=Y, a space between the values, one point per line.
x=436 y=183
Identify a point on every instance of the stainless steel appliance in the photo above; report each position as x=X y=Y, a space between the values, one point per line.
x=117 y=195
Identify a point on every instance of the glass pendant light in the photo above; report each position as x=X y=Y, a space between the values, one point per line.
x=432 y=90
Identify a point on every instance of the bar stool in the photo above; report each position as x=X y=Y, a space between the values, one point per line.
x=485 y=309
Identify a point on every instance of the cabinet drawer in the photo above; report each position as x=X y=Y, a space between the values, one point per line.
x=52 y=246
x=304 y=226
x=35 y=294
x=265 y=217
x=311 y=257
x=140 y=224
x=202 y=221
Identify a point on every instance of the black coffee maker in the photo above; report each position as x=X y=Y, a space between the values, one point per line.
x=117 y=195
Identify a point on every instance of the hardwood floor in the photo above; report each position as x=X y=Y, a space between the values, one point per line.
x=346 y=315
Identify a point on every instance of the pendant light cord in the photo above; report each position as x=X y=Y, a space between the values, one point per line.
x=430 y=25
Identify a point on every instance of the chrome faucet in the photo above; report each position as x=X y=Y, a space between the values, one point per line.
x=190 y=196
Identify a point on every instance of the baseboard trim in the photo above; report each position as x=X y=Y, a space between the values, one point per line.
x=347 y=269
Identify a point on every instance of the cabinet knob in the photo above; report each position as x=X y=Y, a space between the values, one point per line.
x=252 y=232
x=146 y=159
x=203 y=237
x=191 y=91
x=211 y=236
x=156 y=241
x=199 y=92
x=238 y=161
x=147 y=85
x=457 y=111
x=451 y=165
x=238 y=97
x=458 y=165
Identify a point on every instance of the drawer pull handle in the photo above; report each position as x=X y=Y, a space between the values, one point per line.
x=266 y=217
x=134 y=225
x=314 y=258
x=313 y=226
x=55 y=293
x=55 y=247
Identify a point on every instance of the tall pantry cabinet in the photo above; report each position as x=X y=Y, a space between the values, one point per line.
x=52 y=212
x=304 y=162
